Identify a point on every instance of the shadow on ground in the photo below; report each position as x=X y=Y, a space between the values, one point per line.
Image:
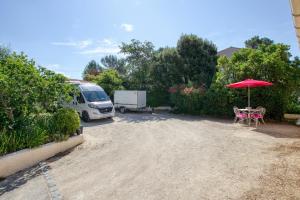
x=140 y=117
x=279 y=130
x=16 y=180
x=60 y=155
x=135 y=117
x=20 y=178
x=97 y=122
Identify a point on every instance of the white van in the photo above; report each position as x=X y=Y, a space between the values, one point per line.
x=92 y=102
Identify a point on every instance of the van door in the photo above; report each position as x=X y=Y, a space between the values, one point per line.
x=81 y=104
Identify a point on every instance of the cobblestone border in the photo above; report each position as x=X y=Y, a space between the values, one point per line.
x=52 y=188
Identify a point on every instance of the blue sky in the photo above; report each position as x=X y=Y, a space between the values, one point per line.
x=63 y=35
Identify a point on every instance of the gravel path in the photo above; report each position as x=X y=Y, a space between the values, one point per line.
x=162 y=156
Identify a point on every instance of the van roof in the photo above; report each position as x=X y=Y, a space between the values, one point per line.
x=90 y=87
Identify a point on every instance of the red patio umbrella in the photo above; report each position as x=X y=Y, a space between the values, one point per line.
x=249 y=83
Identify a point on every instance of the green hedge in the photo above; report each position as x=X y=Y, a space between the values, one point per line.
x=39 y=130
x=27 y=92
x=29 y=137
x=187 y=103
x=293 y=108
x=219 y=101
x=65 y=122
x=158 y=97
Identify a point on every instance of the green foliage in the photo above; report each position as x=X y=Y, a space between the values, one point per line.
x=293 y=108
x=192 y=61
x=29 y=137
x=89 y=77
x=112 y=62
x=267 y=61
x=45 y=122
x=27 y=91
x=54 y=90
x=187 y=103
x=270 y=63
x=41 y=129
x=92 y=68
x=20 y=84
x=139 y=56
x=192 y=64
x=199 y=59
x=256 y=41
x=218 y=101
x=158 y=97
x=167 y=69
x=64 y=124
x=110 y=81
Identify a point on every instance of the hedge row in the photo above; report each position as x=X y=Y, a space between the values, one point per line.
x=39 y=130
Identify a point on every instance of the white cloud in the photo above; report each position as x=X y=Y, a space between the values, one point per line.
x=107 y=41
x=127 y=27
x=56 y=68
x=105 y=46
x=78 y=44
x=89 y=47
x=52 y=66
x=101 y=50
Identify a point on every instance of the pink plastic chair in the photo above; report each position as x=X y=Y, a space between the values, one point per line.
x=239 y=116
x=258 y=115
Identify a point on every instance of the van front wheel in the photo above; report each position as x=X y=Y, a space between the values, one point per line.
x=85 y=116
x=122 y=109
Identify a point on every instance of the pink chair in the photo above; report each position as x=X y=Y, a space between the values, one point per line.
x=239 y=116
x=258 y=115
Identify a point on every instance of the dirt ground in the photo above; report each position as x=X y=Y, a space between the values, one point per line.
x=164 y=156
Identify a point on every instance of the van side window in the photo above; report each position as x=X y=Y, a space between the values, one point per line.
x=80 y=98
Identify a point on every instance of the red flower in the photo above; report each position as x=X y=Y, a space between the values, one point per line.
x=173 y=89
x=188 y=90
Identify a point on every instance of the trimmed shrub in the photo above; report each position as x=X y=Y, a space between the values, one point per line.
x=29 y=137
x=44 y=121
x=39 y=130
x=65 y=122
x=158 y=97
x=293 y=108
x=218 y=102
x=187 y=99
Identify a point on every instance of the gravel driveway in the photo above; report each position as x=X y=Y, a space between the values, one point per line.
x=164 y=156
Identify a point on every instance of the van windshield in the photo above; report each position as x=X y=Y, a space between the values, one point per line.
x=93 y=96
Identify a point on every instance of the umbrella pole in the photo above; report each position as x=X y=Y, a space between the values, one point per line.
x=248 y=96
x=249 y=120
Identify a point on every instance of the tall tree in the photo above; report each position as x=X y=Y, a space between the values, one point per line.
x=167 y=69
x=139 y=56
x=110 y=81
x=91 y=69
x=256 y=41
x=113 y=62
x=199 y=59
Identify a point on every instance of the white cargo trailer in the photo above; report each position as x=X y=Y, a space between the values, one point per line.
x=130 y=100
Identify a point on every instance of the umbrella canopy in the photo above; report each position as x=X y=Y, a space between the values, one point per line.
x=249 y=83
